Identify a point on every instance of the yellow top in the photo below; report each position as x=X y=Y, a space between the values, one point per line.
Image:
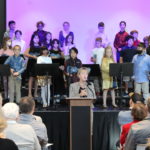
x=107 y=80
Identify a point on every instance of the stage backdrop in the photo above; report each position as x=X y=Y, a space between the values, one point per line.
x=83 y=16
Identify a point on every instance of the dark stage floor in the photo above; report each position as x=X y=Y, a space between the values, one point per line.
x=106 y=130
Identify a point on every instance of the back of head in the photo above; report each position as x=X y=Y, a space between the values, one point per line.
x=11 y=111
x=139 y=112
x=136 y=98
x=26 y=105
x=148 y=147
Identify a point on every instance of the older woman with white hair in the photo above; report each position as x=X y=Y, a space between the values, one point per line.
x=83 y=88
x=5 y=144
x=23 y=135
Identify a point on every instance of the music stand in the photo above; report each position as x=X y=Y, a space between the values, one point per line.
x=94 y=69
x=4 y=70
x=121 y=70
x=59 y=61
x=3 y=59
x=47 y=70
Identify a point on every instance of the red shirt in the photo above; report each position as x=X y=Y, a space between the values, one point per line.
x=125 y=130
x=136 y=42
x=120 y=39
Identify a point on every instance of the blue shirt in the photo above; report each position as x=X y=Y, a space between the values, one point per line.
x=141 y=67
x=16 y=63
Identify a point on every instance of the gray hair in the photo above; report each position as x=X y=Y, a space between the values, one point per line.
x=11 y=110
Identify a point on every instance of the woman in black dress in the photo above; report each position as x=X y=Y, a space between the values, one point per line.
x=32 y=53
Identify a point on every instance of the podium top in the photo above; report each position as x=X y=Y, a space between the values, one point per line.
x=80 y=98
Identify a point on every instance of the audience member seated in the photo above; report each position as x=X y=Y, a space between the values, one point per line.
x=5 y=144
x=139 y=132
x=147 y=147
x=23 y=135
x=18 y=41
x=27 y=106
x=125 y=117
x=138 y=113
x=11 y=31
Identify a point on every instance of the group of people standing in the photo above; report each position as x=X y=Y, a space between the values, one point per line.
x=43 y=49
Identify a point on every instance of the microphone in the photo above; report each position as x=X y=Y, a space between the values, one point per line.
x=88 y=83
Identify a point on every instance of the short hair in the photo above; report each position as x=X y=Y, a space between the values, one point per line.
x=40 y=22
x=134 y=31
x=83 y=69
x=11 y=22
x=18 y=31
x=10 y=110
x=101 y=24
x=73 y=49
x=136 y=97
x=123 y=23
x=17 y=46
x=66 y=22
x=139 y=112
x=141 y=44
x=129 y=37
x=26 y=105
x=98 y=39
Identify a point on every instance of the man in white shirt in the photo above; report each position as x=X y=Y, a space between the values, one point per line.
x=18 y=41
x=97 y=56
x=23 y=135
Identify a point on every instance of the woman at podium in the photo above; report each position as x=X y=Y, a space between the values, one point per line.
x=83 y=88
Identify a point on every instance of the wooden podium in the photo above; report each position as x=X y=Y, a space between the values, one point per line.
x=80 y=123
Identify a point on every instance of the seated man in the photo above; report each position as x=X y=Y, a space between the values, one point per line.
x=23 y=135
x=27 y=106
x=125 y=117
x=139 y=132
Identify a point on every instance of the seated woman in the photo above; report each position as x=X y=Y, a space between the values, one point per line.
x=138 y=113
x=83 y=88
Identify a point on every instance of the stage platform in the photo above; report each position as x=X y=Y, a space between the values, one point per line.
x=106 y=130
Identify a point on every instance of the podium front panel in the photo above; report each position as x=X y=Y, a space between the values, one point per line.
x=81 y=127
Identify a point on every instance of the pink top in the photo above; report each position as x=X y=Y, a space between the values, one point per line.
x=7 y=52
